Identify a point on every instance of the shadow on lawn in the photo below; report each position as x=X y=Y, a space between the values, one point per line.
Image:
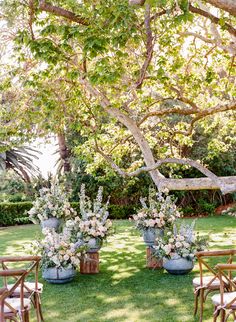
x=124 y=290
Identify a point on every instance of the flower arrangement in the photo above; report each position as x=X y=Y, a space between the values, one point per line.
x=159 y=212
x=57 y=250
x=51 y=202
x=94 y=222
x=182 y=242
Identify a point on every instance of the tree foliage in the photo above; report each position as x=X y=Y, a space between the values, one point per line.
x=137 y=82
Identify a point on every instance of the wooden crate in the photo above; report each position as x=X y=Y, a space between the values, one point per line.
x=151 y=261
x=90 y=263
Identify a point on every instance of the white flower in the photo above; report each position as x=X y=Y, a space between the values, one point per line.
x=167 y=249
x=66 y=257
x=178 y=244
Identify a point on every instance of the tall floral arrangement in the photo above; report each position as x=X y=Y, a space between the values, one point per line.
x=94 y=221
x=57 y=250
x=52 y=202
x=180 y=242
x=158 y=211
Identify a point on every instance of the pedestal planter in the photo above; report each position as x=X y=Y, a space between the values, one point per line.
x=90 y=263
x=178 y=266
x=58 y=275
x=151 y=261
x=94 y=245
x=150 y=235
x=51 y=223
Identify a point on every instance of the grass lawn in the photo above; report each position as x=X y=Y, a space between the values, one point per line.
x=124 y=290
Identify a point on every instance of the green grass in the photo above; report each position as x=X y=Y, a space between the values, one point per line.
x=124 y=290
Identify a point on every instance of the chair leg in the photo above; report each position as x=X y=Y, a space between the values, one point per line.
x=196 y=296
x=201 y=304
x=215 y=316
x=222 y=316
x=38 y=307
x=40 y=312
x=234 y=315
x=12 y=319
x=25 y=316
x=228 y=315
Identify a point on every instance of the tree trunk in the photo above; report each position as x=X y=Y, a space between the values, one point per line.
x=141 y=141
x=64 y=152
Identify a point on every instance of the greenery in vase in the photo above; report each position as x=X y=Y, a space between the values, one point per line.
x=52 y=202
x=180 y=242
x=159 y=212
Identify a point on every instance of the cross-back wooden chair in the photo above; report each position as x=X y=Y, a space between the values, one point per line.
x=208 y=281
x=32 y=290
x=14 y=309
x=225 y=301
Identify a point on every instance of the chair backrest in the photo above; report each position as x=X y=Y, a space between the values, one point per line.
x=19 y=275
x=224 y=276
x=33 y=261
x=206 y=268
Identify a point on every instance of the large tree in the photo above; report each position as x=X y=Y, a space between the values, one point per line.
x=131 y=79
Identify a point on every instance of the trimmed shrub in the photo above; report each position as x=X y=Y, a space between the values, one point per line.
x=13 y=213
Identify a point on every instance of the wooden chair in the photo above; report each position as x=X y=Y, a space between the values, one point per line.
x=208 y=281
x=225 y=302
x=32 y=290
x=14 y=309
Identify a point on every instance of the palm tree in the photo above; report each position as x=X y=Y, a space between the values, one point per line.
x=20 y=160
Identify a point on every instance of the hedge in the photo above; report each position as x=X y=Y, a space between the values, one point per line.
x=14 y=213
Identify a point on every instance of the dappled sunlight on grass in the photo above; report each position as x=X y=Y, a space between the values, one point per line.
x=124 y=290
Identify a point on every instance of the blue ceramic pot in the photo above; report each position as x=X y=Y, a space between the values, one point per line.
x=58 y=275
x=52 y=222
x=94 y=245
x=178 y=266
x=150 y=235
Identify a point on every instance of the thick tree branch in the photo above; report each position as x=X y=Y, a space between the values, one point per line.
x=167 y=112
x=155 y=16
x=213 y=18
x=231 y=48
x=184 y=99
x=31 y=18
x=129 y=123
x=211 y=182
x=214 y=110
x=229 y=184
x=149 y=47
x=152 y=166
x=45 y=6
x=226 y=5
